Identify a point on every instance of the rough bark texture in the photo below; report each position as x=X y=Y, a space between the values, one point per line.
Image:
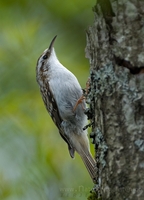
x=115 y=49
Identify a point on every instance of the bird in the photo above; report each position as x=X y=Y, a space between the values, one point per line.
x=61 y=92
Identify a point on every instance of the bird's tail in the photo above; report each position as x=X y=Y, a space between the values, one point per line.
x=90 y=164
x=81 y=145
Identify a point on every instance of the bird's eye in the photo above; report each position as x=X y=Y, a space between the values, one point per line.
x=45 y=57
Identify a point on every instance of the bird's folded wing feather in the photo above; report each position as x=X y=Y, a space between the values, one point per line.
x=52 y=108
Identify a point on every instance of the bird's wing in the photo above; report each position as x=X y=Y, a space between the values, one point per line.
x=52 y=108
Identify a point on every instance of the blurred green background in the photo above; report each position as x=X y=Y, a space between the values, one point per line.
x=34 y=160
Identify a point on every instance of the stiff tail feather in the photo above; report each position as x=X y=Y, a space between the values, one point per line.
x=90 y=164
x=80 y=144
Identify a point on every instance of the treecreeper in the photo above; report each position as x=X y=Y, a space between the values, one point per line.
x=61 y=93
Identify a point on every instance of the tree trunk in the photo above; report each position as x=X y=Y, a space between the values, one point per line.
x=115 y=49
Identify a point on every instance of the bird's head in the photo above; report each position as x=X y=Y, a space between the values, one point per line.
x=47 y=58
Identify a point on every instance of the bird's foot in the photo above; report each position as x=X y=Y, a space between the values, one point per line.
x=79 y=101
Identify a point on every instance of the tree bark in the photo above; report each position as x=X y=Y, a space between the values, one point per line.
x=115 y=49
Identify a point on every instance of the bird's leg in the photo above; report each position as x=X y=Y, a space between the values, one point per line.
x=80 y=100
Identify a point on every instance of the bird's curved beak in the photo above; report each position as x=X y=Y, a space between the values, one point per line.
x=52 y=43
